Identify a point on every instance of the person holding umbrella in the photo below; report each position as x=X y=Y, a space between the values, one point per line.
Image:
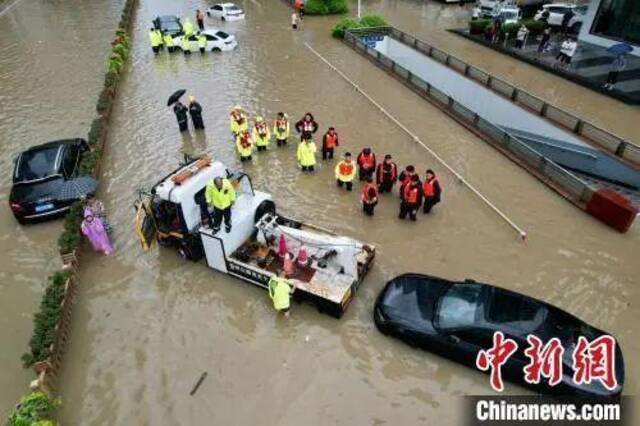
x=179 y=109
x=195 y=111
x=618 y=64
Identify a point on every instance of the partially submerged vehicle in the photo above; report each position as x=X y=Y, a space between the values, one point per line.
x=174 y=213
x=458 y=319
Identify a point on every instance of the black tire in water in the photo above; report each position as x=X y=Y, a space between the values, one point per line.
x=216 y=49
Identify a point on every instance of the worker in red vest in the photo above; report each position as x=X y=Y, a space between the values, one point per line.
x=432 y=191
x=369 y=197
x=329 y=142
x=405 y=177
x=411 y=198
x=386 y=174
x=366 y=164
x=345 y=172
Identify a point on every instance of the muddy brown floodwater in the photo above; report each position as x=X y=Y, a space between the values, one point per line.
x=51 y=68
x=147 y=326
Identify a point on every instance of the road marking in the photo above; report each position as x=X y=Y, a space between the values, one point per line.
x=521 y=233
x=6 y=9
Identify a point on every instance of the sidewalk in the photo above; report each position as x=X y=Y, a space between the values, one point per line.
x=589 y=67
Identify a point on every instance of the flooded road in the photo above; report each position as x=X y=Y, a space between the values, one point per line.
x=51 y=67
x=147 y=326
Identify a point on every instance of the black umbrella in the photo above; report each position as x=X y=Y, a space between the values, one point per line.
x=76 y=188
x=176 y=95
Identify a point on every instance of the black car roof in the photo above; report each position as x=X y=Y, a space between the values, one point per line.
x=51 y=144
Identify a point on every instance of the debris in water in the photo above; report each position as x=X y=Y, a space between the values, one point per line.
x=200 y=380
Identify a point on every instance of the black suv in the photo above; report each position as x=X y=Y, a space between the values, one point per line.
x=37 y=175
x=169 y=23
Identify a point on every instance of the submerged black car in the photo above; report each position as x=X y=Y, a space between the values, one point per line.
x=37 y=177
x=169 y=23
x=458 y=319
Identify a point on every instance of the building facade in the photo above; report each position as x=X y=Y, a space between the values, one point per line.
x=608 y=22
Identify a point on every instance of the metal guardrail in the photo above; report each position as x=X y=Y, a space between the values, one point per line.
x=589 y=131
x=574 y=188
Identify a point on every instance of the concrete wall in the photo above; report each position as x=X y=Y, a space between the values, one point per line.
x=585 y=31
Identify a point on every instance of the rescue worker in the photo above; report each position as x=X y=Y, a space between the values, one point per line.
x=307 y=124
x=220 y=195
x=168 y=41
x=181 y=115
x=411 y=198
x=281 y=129
x=202 y=42
x=200 y=19
x=261 y=135
x=195 y=111
x=280 y=291
x=244 y=144
x=160 y=39
x=386 y=174
x=329 y=142
x=366 y=164
x=306 y=153
x=155 y=43
x=369 y=197
x=185 y=45
x=405 y=177
x=432 y=191
x=238 y=121
x=345 y=172
x=187 y=27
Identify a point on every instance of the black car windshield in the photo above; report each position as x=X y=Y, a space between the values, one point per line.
x=458 y=306
x=222 y=34
x=37 y=164
x=233 y=8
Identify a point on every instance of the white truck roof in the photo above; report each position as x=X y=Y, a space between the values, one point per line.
x=170 y=191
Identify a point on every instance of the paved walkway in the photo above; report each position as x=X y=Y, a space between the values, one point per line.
x=590 y=65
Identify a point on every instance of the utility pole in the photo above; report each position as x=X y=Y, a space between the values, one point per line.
x=359 y=9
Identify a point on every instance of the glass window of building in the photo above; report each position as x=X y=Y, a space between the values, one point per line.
x=619 y=20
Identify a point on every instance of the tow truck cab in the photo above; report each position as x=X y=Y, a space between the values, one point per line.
x=175 y=214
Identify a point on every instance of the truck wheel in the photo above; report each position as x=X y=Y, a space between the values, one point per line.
x=267 y=206
x=216 y=49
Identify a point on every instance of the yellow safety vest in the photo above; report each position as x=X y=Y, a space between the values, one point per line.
x=280 y=292
x=259 y=140
x=237 y=128
x=220 y=198
x=306 y=153
x=184 y=44
x=153 y=38
x=168 y=40
x=281 y=134
x=159 y=37
x=202 y=41
x=345 y=172
x=187 y=27
x=244 y=152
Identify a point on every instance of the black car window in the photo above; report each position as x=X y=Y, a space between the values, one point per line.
x=222 y=34
x=508 y=307
x=210 y=37
x=193 y=38
x=71 y=156
x=458 y=307
x=217 y=7
x=36 y=164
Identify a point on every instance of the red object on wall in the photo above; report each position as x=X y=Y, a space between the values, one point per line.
x=612 y=208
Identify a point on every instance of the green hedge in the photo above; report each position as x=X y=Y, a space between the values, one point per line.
x=46 y=319
x=325 y=7
x=535 y=27
x=69 y=240
x=478 y=26
x=348 y=23
x=34 y=409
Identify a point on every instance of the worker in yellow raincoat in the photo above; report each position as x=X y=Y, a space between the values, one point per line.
x=244 y=144
x=261 y=135
x=238 y=121
x=280 y=291
x=307 y=153
x=281 y=129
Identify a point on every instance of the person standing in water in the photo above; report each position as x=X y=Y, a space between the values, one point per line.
x=181 y=115
x=200 y=19
x=281 y=129
x=280 y=291
x=195 y=111
x=307 y=124
x=244 y=144
x=431 y=190
x=386 y=174
x=306 y=153
x=369 y=197
x=187 y=27
x=155 y=43
x=345 y=172
x=168 y=41
x=329 y=143
x=366 y=164
x=261 y=135
x=185 y=45
x=202 y=42
x=238 y=121
x=411 y=198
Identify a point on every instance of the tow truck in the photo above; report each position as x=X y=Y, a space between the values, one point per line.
x=174 y=213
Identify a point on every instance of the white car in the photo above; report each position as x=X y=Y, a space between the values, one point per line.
x=217 y=41
x=226 y=12
x=555 y=14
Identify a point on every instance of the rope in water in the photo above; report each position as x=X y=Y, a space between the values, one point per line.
x=522 y=234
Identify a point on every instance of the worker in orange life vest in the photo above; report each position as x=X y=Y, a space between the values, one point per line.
x=386 y=174
x=367 y=163
x=261 y=134
x=345 y=172
x=369 y=197
x=432 y=191
x=405 y=177
x=244 y=145
x=281 y=129
x=329 y=142
x=411 y=198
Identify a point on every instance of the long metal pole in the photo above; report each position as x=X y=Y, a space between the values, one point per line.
x=359 y=9
x=521 y=232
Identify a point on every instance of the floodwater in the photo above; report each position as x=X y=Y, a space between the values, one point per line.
x=51 y=68
x=146 y=326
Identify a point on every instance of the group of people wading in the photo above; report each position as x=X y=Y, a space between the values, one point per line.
x=377 y=177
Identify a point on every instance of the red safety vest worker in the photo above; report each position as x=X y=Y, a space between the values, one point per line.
x=345 y=168
x=330 y=140
x=369 y=192
x=411 y=193
x=367 y=161
x=386 y=172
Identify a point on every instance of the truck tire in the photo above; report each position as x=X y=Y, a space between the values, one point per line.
x=267 y=206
